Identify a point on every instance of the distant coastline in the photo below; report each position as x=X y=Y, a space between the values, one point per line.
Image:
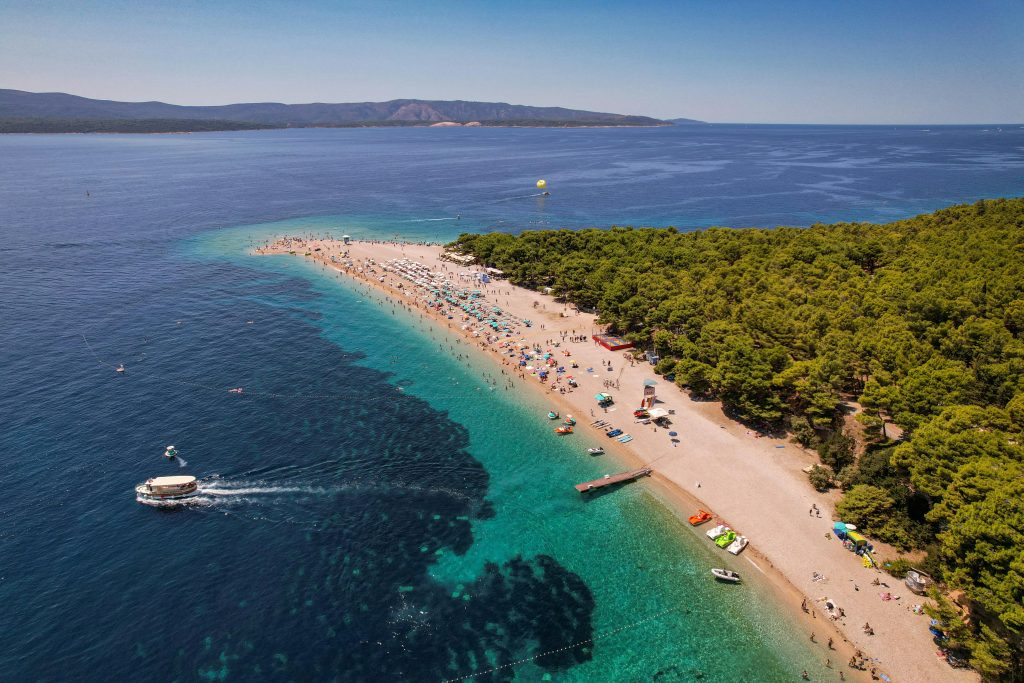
x=156 y=126
x=29 y=112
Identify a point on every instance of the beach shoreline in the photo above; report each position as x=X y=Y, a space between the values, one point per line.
x=718 y=460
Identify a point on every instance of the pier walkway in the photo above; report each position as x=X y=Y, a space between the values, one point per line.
x=612 y=479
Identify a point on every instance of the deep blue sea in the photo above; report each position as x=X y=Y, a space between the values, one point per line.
x=372 y=510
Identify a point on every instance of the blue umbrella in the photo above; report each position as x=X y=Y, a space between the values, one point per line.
x=672 y=434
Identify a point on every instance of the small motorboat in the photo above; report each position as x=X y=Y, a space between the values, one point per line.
x=564 y=429
x=699 y=518
x=738 y=545
x=595 y=451
x=236 y=390
x=171 y=453
x=726 y=539
x=120 y=368
x=726 y=575
x=167 y=488
x=717 y=531
x=552 y=415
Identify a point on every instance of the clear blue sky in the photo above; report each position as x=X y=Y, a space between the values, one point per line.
x=815 y=61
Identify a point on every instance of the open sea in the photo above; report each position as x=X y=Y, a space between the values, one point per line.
x=371 y=510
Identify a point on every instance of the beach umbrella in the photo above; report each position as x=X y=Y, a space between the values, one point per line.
x=672 y=434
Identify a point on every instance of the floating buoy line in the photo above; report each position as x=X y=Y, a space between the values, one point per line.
x=121 y=370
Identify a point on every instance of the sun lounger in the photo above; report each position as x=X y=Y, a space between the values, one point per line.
x=625 y=438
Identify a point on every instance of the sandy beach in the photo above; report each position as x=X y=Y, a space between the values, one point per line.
x=753 y=483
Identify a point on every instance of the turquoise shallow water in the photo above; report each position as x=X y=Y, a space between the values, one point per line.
x=657 y=615
x=370 y=510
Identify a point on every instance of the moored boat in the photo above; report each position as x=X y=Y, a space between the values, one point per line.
x=737 y=546
x=726 y=575
x=717 y=531
x=168 y=488
x=563 y=430
x=699 y=518
x=595 y=451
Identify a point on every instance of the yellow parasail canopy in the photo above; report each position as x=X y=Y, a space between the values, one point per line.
x=541 y=184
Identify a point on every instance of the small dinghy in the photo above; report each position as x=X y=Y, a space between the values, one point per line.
x=120 y=368
x=236 y=390
x=171 y=453
x=595 y=451
x=726 y=575
x=552 y=415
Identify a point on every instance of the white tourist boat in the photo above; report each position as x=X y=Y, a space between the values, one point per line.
x=168 y=488
x=737 y=546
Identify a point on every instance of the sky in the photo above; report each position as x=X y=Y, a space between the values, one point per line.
x=756 y=61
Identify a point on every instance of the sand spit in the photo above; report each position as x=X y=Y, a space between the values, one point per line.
x=753 y=483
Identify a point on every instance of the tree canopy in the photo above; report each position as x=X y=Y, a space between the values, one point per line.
x=920 y=320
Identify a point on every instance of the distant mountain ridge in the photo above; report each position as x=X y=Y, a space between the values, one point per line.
x=19 y=104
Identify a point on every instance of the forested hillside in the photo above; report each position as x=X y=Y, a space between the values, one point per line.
x=921 y=321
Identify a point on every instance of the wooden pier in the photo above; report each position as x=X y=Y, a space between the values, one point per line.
x=612 y=479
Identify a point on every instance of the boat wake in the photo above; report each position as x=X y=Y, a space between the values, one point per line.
x=219 y=490
x=288 y=500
